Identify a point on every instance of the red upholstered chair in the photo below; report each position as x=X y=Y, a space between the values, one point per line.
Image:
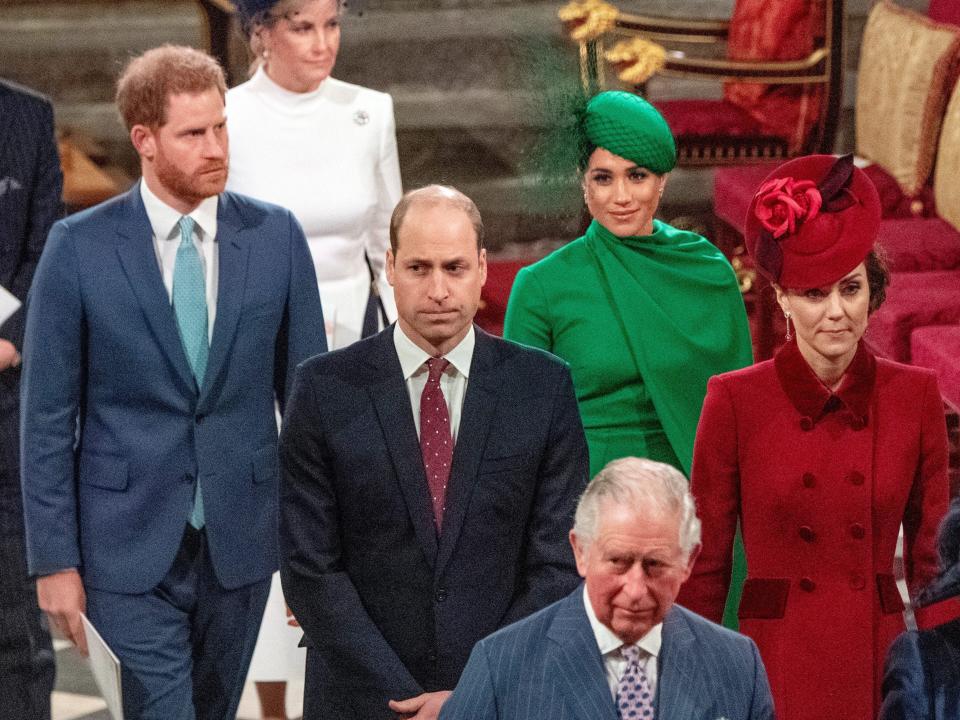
x=496 y=292
x=945 y=11
x=914 y=300
x=923 y=241
x=781 y=64
x=937 y=347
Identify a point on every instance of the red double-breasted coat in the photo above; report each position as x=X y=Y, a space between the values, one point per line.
x=820 y=482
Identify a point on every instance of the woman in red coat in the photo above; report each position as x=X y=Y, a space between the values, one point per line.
x=820 y=453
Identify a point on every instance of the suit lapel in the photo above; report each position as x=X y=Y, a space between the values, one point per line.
x=679 y=692
x=573 y=658
x=478 y=410
x=231 y=279
x=139 y=260
x=392 y=403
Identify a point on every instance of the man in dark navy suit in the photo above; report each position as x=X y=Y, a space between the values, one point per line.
x=618 y=647
x=30 y=186
x=161 y=327
x=430 y=473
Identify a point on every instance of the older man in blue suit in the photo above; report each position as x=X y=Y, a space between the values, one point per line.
x=161 y=327
x=618 y=647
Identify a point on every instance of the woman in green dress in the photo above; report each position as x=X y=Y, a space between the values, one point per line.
x=643 y=312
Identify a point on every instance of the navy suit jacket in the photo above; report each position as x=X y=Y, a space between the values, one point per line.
x=115 y=430
x=31 y=184
x=549 y=667
x=389 y=609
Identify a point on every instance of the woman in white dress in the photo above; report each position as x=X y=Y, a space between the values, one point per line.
x=326 y=150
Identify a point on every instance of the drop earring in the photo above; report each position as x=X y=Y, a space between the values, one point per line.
x=786 y=316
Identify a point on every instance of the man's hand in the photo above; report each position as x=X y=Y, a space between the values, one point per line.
x=422 y=707
x=61 y=596
x=9 y=357
x=291 y=620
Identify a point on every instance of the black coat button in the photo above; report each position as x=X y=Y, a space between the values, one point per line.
x=807 y=534
x=441 y=595
x=855 y=477
x=432 y=656
x=809 y=480
x=806 y=424
x=858 y=531
x=807 y=585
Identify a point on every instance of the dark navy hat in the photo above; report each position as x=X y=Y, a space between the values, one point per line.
x=249 y=8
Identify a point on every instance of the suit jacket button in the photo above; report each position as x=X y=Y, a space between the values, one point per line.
x=855 y=477
x=806 y=424
x=809 y=480
x=441 y=595
x=857 y=581
x=858 y=531
x=199 y=419
x=432 y=656
x=807 y=585
x=188 y=478
x=807 y=534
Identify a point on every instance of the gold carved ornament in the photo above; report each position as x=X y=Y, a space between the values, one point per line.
x=588 y=20
x=636 y=60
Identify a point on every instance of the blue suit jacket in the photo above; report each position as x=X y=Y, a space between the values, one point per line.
x=389 y=609
x=115 y=430
x=549 y=666
x=921 y=680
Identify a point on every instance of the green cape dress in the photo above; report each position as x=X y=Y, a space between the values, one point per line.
x=644 y=322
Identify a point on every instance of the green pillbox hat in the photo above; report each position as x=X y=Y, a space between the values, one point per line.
x=629 y=126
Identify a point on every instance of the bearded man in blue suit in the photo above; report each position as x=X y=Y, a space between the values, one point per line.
x=161 y=327
x=618 y=648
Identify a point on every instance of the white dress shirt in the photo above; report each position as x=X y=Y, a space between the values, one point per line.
x=610 y=649
x=166 y=239
x=453 y=382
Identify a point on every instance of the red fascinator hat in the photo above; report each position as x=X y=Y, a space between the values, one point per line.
x=812 y=221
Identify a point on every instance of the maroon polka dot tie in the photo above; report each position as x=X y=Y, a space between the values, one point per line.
x=436 y=442
x=634 y=698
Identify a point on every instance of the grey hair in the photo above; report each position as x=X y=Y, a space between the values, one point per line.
x=643 y=485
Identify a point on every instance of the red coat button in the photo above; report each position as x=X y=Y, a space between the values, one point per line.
x=855 y=477
x=809 y=480
x=806 y=424
x=807 y=534
x=857 y=423
x=858 y=531
x=857 y=581
x=807 y=585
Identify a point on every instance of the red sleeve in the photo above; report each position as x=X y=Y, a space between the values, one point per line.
x=716 y=487
x=928 y=499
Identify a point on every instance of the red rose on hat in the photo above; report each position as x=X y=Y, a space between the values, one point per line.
x=783 y=202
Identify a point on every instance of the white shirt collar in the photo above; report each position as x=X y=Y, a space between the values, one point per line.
x=164 y=219
x=608 y=642
x=412 y=356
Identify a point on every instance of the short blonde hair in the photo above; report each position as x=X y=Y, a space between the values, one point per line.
x=148 y=80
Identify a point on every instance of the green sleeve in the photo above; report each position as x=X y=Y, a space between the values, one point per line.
x=527 y=320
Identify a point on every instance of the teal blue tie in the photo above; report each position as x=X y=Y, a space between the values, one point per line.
x=190 y=307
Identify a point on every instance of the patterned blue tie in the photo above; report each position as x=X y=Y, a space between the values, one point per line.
x=190 y=307
x=634 y=698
